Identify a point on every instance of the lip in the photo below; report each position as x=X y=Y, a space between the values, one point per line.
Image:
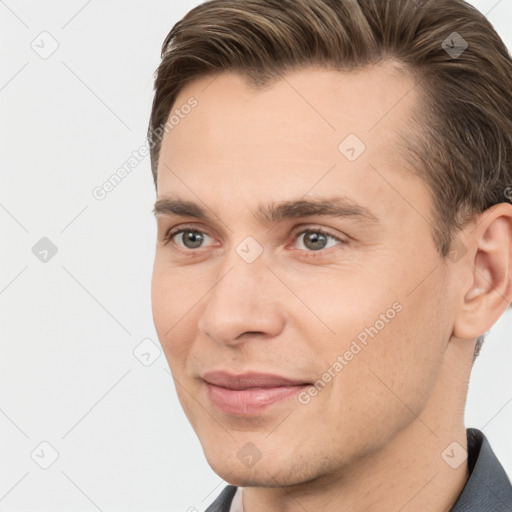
x=249 y=380
x=251 y=393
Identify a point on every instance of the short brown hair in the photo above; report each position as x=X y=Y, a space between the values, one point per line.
x=461 y=144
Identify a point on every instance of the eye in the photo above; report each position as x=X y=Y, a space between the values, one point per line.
x=188 y=238
x=310 y=240
x=315 y=240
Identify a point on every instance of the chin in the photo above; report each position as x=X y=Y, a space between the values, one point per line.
x=233 y=473
x=265 y=473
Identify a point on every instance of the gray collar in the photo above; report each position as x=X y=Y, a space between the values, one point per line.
x=488 y=488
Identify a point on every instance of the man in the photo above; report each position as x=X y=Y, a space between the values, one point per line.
x=334 y=240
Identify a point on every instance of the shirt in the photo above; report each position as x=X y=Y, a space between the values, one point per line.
x=488 y=488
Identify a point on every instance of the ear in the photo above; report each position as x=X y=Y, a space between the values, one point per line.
x=484 y=300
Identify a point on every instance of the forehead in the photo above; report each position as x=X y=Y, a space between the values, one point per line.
x=289 y=136
x=303 y=115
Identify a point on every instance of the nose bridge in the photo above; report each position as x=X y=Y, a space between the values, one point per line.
x=241 y=300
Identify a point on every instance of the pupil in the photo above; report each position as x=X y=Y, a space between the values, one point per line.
x=315 y=238
x=194 y=239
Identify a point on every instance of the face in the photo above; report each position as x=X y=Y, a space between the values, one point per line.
x=295 y=242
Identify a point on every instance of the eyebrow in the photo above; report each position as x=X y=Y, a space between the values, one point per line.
x=335 y=207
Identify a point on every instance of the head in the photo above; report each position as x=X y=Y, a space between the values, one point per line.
x=349 y=164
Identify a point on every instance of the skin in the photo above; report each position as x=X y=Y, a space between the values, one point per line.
x=373 y=437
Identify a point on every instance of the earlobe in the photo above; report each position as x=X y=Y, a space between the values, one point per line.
x=490 y=291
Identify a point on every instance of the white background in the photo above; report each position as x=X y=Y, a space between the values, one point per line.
x=68 y=327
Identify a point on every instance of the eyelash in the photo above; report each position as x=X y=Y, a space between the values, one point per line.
x=190 y=229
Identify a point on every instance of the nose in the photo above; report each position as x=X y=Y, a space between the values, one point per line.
x=244 y=304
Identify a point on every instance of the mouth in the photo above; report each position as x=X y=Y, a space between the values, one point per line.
x=249 y=394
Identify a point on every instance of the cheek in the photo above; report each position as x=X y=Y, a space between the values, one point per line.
x=380 y=383
x=161 y=301
x=401 y=361
x=174 y=291
x=391 y=342
x=172 y=312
